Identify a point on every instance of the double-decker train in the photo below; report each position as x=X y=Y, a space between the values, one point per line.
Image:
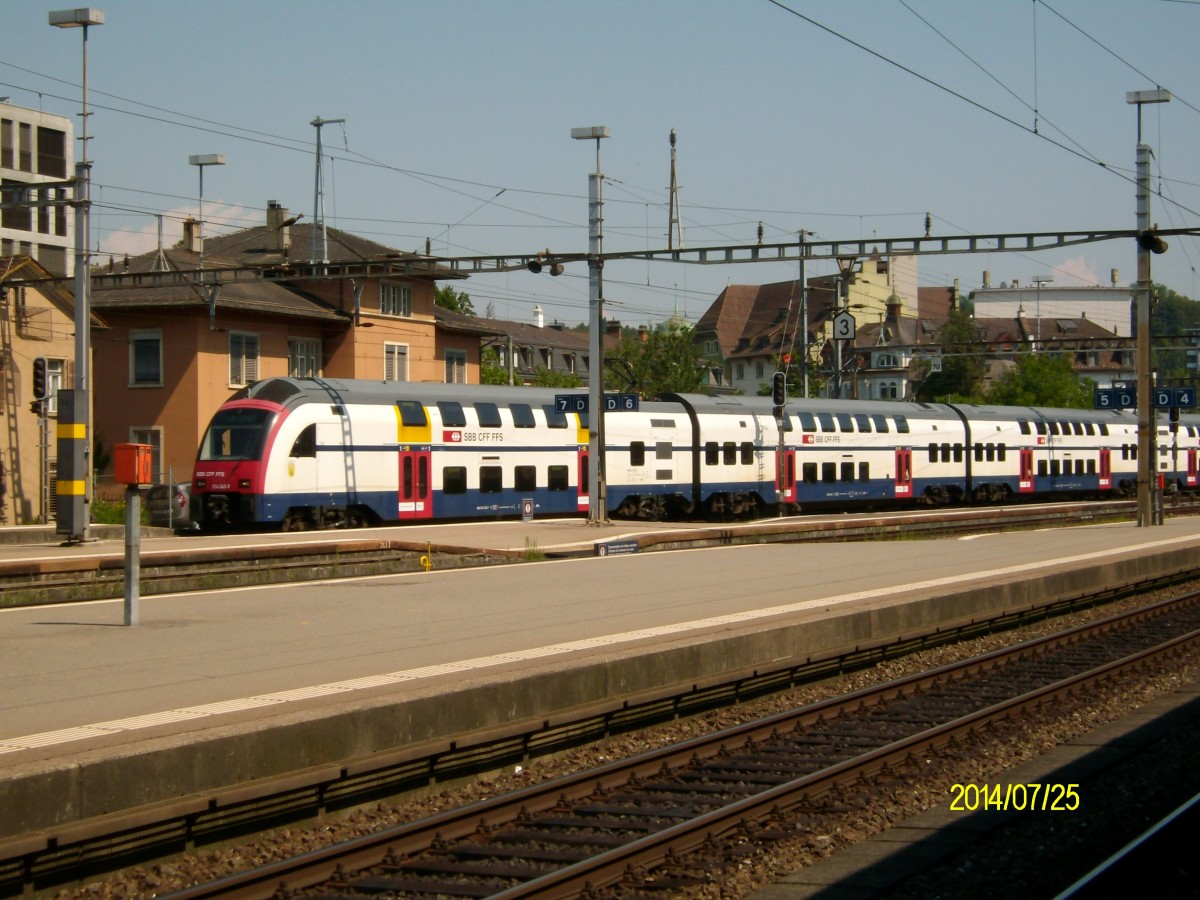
x=315 y=453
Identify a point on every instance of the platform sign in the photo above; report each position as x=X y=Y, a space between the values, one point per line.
x=568 y=403
x=1185 y=397
x=1115 y=398
x=1164 y=398
x=616 y=548
x=621 y=402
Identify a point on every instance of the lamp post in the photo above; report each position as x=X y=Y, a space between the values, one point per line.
x=77 y=462
x=1039 y=280
x=1148 y=499
x=204 y=159
x=597 y=501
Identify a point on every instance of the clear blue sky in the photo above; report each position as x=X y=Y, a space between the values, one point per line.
x=779 y=121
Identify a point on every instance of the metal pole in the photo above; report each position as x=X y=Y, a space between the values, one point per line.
x=83 y=311
x=133 y=550
x=1147 y=463
x=803 y=321
x=598 y=508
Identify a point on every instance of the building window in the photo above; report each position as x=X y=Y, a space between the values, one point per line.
x=885 y=361
x=741 y=371
x=304 y=358
x=395 y=362
x=395 y=299
x=152 y=436
x=243 y=358
x=456 y=367
x=145 y=359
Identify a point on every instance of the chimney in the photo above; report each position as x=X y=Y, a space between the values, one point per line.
x=191 y=235
x=279 y=228
x=612 y=328
x=539 y=318
x=643 y=333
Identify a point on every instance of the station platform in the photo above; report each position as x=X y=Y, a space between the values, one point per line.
x=220 y=688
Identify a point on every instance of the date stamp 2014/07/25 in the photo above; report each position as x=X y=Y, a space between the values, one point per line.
x=1033 y=797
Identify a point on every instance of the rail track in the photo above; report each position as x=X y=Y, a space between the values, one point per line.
x=634 y=822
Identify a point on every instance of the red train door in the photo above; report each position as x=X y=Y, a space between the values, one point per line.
x=1025 y=478
x=1193 y=470
x=414 y=501
x=785 y=477
x=1105 y=469
x=581 y=495
x=904 y=479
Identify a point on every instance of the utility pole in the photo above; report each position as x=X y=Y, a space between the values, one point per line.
x=319 y=197
x=674 y=226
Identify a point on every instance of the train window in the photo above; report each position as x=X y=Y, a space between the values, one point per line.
x=1089 y=428
x=1055 y=468
x=1080 y=467
x=1077 y=427
x=958 y=453
x=712 y=455
x=491 y=479
x=1066 y=427
x=933 y=453
x=412 y=413
x=1133 y=451
x=637 y=453
x=864 y=471
x=1040 y=426
x=991 y=452
x=664 y=450
x=1024 y=426
x=807 y=422
x=452 y=414
x=945 y=453
x=489 y=415
x=558 y=478
x=554 y=418
x=1052 y=427
x=979 y=453
x=881 y=424
x=902 y=424
x=454 y=480
x=1001 y=452
x=235 y=434
x=747 y=453
x=847 y=471
x=787 y=423
x=845 y=423
x=525 y=478
x=1091 y=467
x=863 y=422
x=522 y=414
x=1042 y=468
x=729 y=453
x=829 y=472
x=306 y=442
x=809 y=473
x=826 y=421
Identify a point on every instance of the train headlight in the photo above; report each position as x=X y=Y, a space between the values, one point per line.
x=244 y=484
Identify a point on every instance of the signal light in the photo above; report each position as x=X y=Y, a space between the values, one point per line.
x=779 y=389
x=534 y=266
x=40 y=388
x=1149 y=240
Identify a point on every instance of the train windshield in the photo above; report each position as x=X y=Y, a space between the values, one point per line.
x=235 y=434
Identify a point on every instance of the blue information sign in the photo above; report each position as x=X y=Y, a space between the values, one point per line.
x=576 y=403
x=580 y=403
x=1115 y=398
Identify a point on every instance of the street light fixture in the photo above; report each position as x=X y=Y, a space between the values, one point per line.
x=597 y=501
x=200 y=161
x=73 y=509
x=1039 y=280
x=1149 y=501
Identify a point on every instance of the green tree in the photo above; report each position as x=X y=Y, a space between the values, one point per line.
x=543 y=377
x=1041 y=379
x=961 y=378
x=490 y=370
x=668 y=361
x=1173 y=319
x=458 y=301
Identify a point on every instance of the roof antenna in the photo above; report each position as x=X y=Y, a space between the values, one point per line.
x=319 y=196
x=674 y=226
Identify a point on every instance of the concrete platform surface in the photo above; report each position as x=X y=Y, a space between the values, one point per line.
x=226 y=686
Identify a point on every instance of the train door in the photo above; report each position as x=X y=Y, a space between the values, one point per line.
x=1193 y=470
x=1105 y=469
x=414 y=501
x=582 y=502
x=785 y=477
x=1025 y=477
x=904 y=479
